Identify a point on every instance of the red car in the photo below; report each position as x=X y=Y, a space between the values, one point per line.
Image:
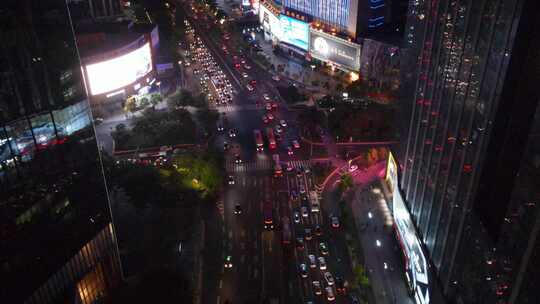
x=265 y=119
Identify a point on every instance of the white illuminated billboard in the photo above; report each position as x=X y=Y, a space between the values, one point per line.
x=270 y=22
x=416 y=260
x=113 y=74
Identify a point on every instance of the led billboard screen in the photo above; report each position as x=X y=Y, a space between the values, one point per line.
x=417 y=264
x=332 y=49
x=294 y=32
x=391 y=171
x=113 y=74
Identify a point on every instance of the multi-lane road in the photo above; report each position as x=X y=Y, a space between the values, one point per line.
x=247 y=263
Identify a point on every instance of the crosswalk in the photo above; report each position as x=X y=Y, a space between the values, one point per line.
x=262 y=165
x=233 y=107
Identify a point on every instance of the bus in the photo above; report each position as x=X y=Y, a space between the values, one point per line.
x=277 y=166
x=258 y=141
x=271 y=138
x=286 y=232
x=268 y=216
x=314 y=200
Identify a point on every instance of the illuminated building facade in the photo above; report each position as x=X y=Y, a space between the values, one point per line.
x=350 y=17
x=470 y=145
x=57 y=238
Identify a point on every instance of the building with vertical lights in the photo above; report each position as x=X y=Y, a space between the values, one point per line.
x=57 y=237
x=469 y=158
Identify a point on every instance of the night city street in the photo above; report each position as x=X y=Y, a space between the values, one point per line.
x=270 y=151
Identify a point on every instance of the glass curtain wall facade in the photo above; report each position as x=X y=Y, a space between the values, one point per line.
x=458 y=57
x=331 y=12
x=57 y=237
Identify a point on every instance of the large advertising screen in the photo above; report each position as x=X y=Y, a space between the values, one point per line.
x=112 y=74
x=333 y=49
x=417 y=267
x=294 y=32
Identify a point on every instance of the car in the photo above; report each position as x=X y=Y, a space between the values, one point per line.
x=335 y=221
x=318 y=230
x=247 y=66
x=354 y=299
x=278 y=137
x=268 y=107
x=225 y=146
x=304 y=211
x=289 y=167
x=278 y=129
x=249 y=87
x=307 y=234
x=237 y=65
x=302 y=190
x=329 y=278
x=353 y=168
x=276 y=78
x=265 y=118
x=294 y=194
x=298 y=172
x=231 y=180
x=270 y=116
x=220 y=128
x=329 y=293
x=245 y=75
x=228 y=262
x=266 y=96
x=340 y=285
x=290 y=150
x=274 y=105
x=242 y=61
x=296 y=144
x=300 y=243
x=312 y=261
x=322 y=263
x=237 y=209
x=283 y=123
x=296 y=217
x=303 y=271
x=253 y=82
x=317 y=288
x=323 y=248
x=237 y=159
x=232 y=133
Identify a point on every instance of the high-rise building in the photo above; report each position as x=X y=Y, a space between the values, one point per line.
x=349 y=17
x=57 y=238
x=470 y=152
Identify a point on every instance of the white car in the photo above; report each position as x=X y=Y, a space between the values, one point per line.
x=283 y=123
x=247 y=67
x=312 y=261
x=266 y=96
x=249 y=87
x=330 y=294
x=304 y=211
x=296 y=144
x=329 y=278
x=244 y=74
x=322 y=263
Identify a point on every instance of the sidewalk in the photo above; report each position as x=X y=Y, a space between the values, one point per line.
x=382 y=256
x=294 y=71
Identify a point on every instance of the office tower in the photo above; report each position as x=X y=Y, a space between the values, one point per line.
x=350 y=17
x=57 y=239
x=469 y=155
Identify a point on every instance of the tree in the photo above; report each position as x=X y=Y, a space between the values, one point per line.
x=155 y=99
x=208 y=119
x=310 y=120
x=144 y=102
x=130 y=105
x=360 y=278
x=346 y=182
x=291 y=94
x=357 y=89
